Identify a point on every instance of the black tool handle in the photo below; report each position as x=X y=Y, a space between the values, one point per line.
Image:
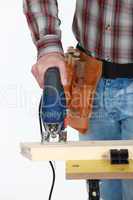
x=52 y=79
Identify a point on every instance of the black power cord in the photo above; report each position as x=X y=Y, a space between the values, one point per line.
x=50 y=162
x=53 y=181
x=40 y=120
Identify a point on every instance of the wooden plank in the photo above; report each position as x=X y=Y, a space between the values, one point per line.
x=98 y=169
x=87 y=150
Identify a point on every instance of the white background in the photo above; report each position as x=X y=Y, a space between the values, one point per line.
x=21 y=179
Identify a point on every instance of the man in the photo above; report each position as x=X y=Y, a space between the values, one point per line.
x=104 y=30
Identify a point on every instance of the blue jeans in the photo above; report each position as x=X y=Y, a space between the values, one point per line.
x=112 y=119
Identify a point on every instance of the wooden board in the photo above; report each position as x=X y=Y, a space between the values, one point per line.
x=98 y=169
x=88 y=150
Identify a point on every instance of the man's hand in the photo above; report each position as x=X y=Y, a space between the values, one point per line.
x=48 y=61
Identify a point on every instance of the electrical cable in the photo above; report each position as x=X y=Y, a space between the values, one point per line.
x=50 y=162
x=53 y=181
x=40 y=121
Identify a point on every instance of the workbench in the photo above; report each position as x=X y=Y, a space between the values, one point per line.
x=84 y=160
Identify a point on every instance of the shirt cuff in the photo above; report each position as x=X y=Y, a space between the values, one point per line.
x=49 y=44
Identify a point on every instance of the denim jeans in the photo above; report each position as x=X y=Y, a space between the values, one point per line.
x=112 y=119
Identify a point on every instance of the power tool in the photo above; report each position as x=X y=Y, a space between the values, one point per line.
x=52 y=109
x=52 y=112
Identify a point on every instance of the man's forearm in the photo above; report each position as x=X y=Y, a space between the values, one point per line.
x=44 y=24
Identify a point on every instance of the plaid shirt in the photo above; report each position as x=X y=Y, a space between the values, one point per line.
x=103 y=27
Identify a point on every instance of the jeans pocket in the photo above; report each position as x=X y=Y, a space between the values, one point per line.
x=129 y=87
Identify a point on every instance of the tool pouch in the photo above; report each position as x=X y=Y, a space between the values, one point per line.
x=83 y=73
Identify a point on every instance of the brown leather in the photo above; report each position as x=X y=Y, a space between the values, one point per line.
x=83 y=74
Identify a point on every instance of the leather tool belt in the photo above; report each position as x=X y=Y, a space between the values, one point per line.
x=113 y=70
x=83 y=74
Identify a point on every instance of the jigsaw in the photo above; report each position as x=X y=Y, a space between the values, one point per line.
x=52 y=109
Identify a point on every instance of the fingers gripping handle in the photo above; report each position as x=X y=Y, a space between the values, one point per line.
x=52 y=79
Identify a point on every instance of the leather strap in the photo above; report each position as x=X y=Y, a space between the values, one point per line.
x=113 y=70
